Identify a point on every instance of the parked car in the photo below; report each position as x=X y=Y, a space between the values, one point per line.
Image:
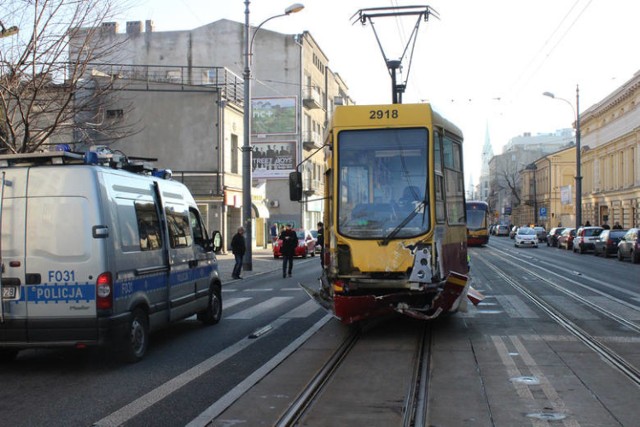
x=552 y=237
x=585 y=238
x=502 y=230
x=306 y=244
x=526 y=237
x=607 y=242
x=565 y=241
x=629 y=246
x=541 y=233
x=314 y=233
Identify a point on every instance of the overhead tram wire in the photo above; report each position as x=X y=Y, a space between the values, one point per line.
x=366 y=15
x=516 y=87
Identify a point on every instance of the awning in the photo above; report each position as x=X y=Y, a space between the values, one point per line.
x=260 y=210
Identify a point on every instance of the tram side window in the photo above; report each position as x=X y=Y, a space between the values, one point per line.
x=439 y=183
x=454 y=180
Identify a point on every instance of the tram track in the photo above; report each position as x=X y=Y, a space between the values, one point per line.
x=414 y=408
x=308 y=395
x=608 y=313
x=611 y=356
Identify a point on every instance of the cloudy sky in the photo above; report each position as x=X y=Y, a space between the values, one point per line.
x=482 y=63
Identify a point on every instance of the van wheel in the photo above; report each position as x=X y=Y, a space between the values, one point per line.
x=136 y=341
x=213 y=313
x=8 y=355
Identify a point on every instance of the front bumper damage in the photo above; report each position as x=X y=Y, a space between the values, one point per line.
x=427 y=303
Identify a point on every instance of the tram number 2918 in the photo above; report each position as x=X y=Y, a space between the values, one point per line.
x=383 y=114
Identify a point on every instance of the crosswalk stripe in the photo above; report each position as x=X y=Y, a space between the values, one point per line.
x=302 y=311
x=228 y=303
x=258 y=309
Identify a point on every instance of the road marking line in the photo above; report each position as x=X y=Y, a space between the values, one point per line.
x=144 y=402
x=258 y=309
x=234 y=394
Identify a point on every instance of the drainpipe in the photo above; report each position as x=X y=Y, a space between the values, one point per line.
x=300 y=114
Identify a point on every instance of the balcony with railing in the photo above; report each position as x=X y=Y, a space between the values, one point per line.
x=311 y=140
x=312 y=98
x=310 y=186
x=231 y=85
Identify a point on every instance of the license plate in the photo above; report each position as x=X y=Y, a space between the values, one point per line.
x=9 y=292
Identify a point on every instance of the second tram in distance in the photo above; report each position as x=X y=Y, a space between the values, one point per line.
x=477 y=223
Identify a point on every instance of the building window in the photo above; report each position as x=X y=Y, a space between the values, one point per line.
x=234 y=153
x=115 y=114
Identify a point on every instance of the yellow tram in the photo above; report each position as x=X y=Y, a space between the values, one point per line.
x=395 y=219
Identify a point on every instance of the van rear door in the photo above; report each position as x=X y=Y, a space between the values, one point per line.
x=63 y=256
x=13 y=307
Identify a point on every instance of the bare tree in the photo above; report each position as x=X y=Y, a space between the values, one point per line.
x=509 y=180
x=48 y=92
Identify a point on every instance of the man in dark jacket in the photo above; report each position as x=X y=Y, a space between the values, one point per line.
x=320 y=242
x=238 y=248
x=289 y=244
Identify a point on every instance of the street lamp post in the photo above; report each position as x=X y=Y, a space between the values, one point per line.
x=247 y=263
x=534 y=168
x=576 y=113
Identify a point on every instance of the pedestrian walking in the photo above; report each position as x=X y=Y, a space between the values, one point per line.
x=289 y=244
x=320 y=241
x=238 y=248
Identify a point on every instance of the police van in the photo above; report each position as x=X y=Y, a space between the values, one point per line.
x=98 y=250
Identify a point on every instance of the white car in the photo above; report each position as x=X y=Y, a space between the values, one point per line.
x=526 y=237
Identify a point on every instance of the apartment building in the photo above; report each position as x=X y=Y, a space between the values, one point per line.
x=293 y=95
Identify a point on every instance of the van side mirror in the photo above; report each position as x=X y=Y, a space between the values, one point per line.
x=215 y=243
x=295 y=186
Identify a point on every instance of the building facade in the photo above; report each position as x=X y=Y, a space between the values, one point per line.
x=548 y=191
x=611 y=158
x=505 y=171
x=293 y=95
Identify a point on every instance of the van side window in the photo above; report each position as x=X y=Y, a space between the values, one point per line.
x=196 y=228
x=179 y=229
x=148 y=226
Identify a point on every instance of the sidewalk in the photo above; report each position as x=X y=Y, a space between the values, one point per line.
x=262 y=262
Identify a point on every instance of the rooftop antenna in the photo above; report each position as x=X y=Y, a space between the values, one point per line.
x=393 y=65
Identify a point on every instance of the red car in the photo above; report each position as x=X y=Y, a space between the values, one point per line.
x=565 y=241
x=306 y=244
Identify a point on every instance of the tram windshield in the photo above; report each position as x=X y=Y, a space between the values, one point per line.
x=476 y=218
x=382 y=183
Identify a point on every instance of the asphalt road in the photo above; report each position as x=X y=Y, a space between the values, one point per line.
x=506 y=362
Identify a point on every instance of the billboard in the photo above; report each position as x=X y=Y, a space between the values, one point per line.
x=273 y=159
x=273 y=116
x=565 y=195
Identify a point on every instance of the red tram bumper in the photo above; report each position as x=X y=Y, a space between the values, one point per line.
x=422 y=305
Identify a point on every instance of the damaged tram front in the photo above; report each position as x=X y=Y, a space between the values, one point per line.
x=394 y=212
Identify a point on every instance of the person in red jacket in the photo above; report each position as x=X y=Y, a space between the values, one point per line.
x=289 y=244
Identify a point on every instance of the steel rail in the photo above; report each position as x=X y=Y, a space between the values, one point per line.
x=611 y=315
x=616 y=361
x=300 y=405
x=415 y=413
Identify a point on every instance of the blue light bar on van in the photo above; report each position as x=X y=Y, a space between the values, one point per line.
x=162 y=173
x=91 y=158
